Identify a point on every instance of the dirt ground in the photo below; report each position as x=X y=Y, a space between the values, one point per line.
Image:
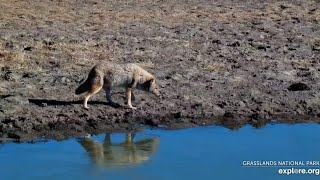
x=222 y=62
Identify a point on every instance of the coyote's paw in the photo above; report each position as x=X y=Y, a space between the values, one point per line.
x=113 y=104
x=132 y=107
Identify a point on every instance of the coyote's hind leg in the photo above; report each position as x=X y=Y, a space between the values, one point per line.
x=95 y=87
x=107 y=89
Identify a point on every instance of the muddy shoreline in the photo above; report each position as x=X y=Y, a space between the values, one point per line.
x=227 y=63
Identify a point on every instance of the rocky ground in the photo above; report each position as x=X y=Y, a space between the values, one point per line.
x=223 y=62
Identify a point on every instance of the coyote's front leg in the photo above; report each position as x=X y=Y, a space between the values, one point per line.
x=128 y=93
x=108 y=95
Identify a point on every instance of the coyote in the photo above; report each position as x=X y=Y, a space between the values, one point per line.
x=120 y=155
x=109 y=75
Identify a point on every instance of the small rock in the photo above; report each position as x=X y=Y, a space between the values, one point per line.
x=218 y=111
x=196 y=106
x=171 y=105
x=44 y=104
x=28 y=86
x=241 y=104
x=65 y=80
x=10 y=76
x=185 y=97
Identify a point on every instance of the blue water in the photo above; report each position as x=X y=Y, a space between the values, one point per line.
x=196 y=153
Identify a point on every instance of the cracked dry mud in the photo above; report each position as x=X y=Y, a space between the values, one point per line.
x=226 y=63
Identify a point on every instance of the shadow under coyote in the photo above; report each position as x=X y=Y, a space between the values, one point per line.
x=48 y=102
x=120 y=155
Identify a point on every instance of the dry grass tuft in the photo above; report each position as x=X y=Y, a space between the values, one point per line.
x=149 y=65
x=216 y=67
x=16 y=59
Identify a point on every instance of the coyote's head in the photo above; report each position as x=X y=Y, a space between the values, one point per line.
x=150 y=86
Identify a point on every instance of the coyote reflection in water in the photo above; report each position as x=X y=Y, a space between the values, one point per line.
x=120 y=155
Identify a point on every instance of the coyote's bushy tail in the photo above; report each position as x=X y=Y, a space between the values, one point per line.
x=85 y=86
